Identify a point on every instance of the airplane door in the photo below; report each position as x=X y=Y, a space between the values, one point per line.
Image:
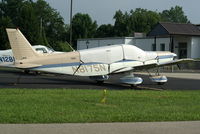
x=108 y=55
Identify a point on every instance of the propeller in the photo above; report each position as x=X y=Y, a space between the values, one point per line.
x=81 y=63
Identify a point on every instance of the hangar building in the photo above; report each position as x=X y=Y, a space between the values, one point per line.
x=182 y=39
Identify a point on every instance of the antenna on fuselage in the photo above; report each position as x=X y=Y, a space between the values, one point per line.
x=70 y=46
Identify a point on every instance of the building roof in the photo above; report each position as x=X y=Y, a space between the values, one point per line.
x=106 y=38
x=166 y=29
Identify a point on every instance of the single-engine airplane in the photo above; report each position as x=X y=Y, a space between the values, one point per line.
x=96 y=63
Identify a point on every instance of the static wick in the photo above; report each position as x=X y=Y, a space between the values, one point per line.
x=104 y=96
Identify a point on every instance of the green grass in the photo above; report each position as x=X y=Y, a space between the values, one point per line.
x=64 y=105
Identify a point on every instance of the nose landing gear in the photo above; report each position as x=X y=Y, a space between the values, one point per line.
x=157 y=78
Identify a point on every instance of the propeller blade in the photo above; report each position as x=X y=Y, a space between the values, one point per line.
x=81 y=63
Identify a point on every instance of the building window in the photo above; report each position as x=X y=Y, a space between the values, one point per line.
x=162 y=47
x=153 y=47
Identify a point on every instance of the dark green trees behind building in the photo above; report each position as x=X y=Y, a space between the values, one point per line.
x=140 y=20
x=175 y=14
x=41 y=24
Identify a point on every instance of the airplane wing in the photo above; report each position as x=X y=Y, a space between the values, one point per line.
x=154 y=65
x=175 y=62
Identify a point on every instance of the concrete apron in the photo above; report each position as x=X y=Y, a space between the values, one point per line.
x=185 y=127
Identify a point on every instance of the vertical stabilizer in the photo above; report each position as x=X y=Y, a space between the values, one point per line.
x=21 y=48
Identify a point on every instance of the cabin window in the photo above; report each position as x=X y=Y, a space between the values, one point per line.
x=41 y=50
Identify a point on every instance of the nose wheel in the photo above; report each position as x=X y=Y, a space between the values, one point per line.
x=161 y=83
x=157 y=78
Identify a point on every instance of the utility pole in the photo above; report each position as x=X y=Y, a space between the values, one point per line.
x=41 y=26
x=71 y=22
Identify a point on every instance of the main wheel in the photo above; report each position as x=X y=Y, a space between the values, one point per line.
x=26 y=71
x=100 y=82
x=133 y=86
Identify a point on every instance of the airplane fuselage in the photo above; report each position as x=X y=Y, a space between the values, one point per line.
x=103 y=60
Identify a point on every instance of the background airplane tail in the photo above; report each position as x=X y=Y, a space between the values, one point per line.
x=21 y=48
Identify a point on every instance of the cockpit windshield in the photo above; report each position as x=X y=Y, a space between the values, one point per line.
x=50 y=49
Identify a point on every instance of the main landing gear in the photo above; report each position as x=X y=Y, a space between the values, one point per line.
x=131 y=80
x=99 y=79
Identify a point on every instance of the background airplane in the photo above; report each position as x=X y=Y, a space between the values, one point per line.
x=7 y=58
x=97 y=63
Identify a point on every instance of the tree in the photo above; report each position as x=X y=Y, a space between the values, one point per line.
x=5 y=22
x=7 y=9
x=143 y=20
x=83 y=27
x=28 y=22
x=23 y=16
x=53 y=28
x=105 y=31
x=175 y=14
x=138 y=20
x=122 y=24
x=40 y=23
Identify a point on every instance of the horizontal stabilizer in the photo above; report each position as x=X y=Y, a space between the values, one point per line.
x=6 y=65
x=26 y=66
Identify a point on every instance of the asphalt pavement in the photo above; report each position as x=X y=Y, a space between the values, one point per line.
x=18 y=79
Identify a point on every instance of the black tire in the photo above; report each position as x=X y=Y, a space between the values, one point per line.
x=160 y=83
x=100 y=82
x=133 y=86
x=26 y=71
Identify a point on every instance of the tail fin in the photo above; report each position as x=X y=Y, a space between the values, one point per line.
x=20 y=46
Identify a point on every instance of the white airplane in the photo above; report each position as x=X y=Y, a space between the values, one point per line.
x=96 y=63
x=7 y=58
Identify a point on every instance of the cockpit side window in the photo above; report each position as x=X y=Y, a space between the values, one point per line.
x=41 y=50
